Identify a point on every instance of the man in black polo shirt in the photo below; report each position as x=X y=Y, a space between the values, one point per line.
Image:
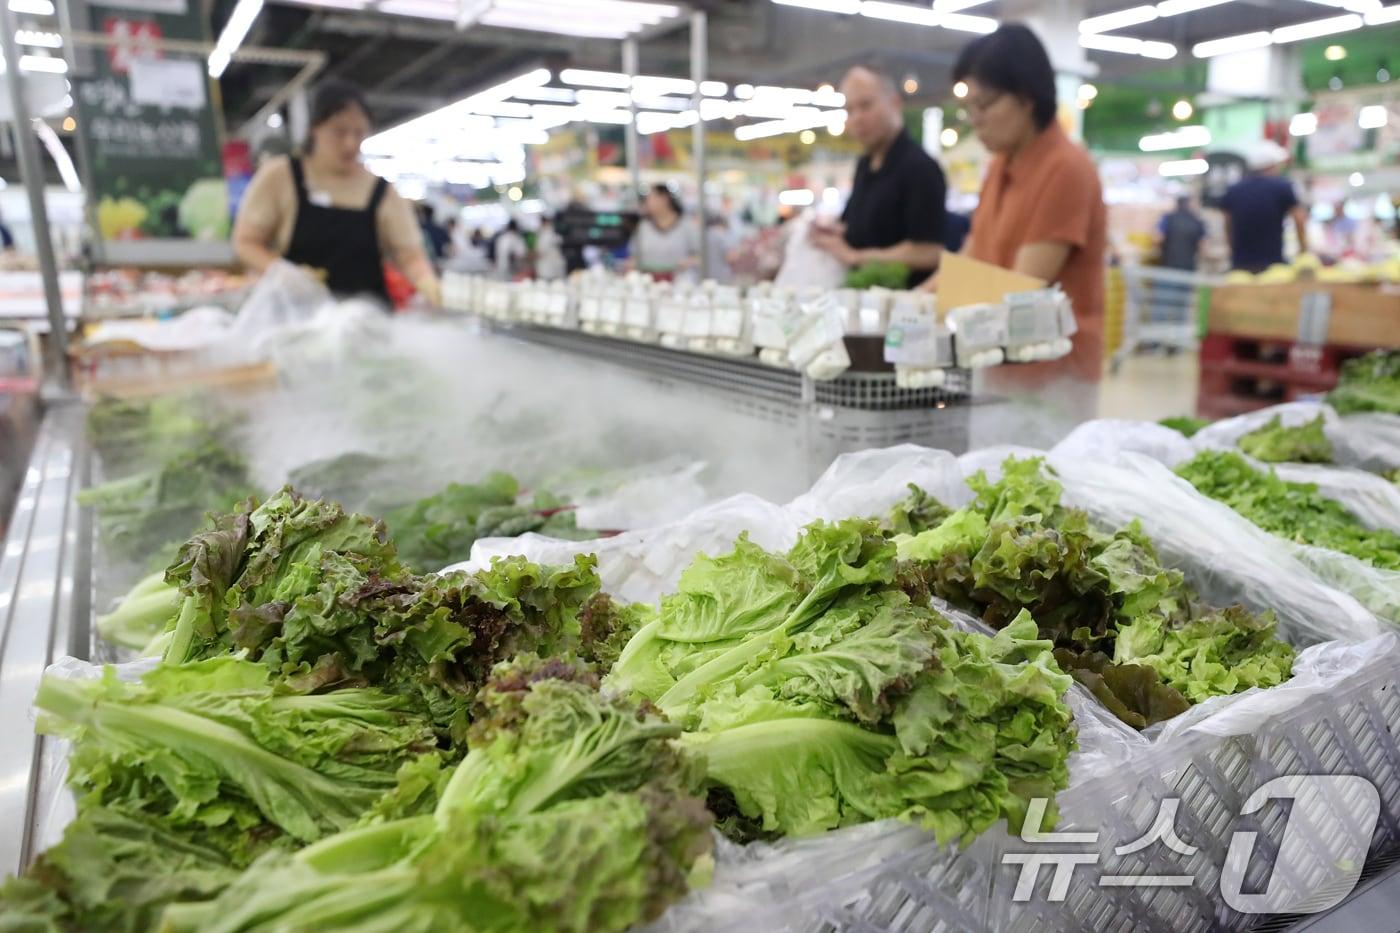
x=896 y=212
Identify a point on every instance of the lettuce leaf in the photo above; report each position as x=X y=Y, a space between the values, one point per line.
x=1274 y=443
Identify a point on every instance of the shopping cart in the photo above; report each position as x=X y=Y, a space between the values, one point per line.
x=1160 y=309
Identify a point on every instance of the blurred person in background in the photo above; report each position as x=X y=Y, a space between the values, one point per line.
x=436 y=238
x=549 y=252
x=7 y=237
x=1179 y=236
x=1256 y=208
x=720 y=240
x=325 y=211
x=665 y=242
x=1041 y=210
x=896 y=211
x=510 y=251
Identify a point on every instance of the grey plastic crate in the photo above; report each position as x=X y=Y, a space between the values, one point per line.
x=1350 y=730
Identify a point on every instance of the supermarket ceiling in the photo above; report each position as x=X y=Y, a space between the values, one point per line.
x=410 y=56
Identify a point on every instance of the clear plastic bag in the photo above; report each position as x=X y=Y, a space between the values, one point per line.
x=1367 y=442
x=283 y=295
x=1373 y=499
x=1225 y=557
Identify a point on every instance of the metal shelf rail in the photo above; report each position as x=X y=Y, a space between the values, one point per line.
x=855 y=411
x=44 y=615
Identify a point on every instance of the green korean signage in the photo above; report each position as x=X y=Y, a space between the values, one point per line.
x=148 y=124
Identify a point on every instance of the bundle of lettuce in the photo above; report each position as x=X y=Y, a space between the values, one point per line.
x=440 y=529
x=1368 y=383
x=129 y=434
x=1274 y=443
x=819 y=694
x=301 y=739
x=1124 y=626
x=143 y=517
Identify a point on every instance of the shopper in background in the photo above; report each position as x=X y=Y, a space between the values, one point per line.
x=549 y=252
x=510 y=251
x=327 y=212
x=1041 y=209
x=7 y=238
x=1180 y=234
x=1256 y=207
x=665 y=243
x=719 y=242
x=896 y=211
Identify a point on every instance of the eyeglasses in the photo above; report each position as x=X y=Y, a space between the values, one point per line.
x=983 y=103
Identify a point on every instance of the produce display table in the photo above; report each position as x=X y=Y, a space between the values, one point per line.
x=1266 y=344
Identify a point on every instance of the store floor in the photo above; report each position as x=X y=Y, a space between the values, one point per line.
x=1151 y=386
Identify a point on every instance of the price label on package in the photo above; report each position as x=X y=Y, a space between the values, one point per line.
x=610 y=310
x=1032 y=317
x=821 y=327
x=728 y=322
x=977 y=326
x=637 y=312
x=697 y=320
x=915 y=338
x=670 y=316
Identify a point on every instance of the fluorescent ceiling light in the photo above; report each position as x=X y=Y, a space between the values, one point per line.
x=962 y=22
x=1187 y=137
x=554 y=95
x=673 y=104
x=423 y=9
x=1372 y=117
x=502 y=108
x=1229 y=44
x=797 y=197
x=37 y=39
x=1180 y=167
x=900 y=13
x=1177 y=7
x=1318 y=27
x=1127 y=45
x=825 y=6
x=585 y=78
x=714 y=88
x=43 y=63
x=605 y=99
x=1380 y=17
x=805 y=118
x=32 y=7
x=235 y=30
x=1302 y=124
x=1133 y=16
x=954 y=6
x=653 y=86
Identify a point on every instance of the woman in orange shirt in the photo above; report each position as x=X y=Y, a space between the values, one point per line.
x=1041 y=210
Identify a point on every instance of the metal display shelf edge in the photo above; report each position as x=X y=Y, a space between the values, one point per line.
x=743 y=375
x=44 y=603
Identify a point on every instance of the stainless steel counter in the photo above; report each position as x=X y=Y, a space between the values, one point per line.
x=44 y=614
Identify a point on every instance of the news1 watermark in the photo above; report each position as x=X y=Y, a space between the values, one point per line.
x=1329 y=821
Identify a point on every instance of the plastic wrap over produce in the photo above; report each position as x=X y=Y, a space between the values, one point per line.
x=1224 y=555
x=1371 y=498
x=1368 y=442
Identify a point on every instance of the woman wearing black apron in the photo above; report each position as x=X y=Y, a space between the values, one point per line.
x=327 y=213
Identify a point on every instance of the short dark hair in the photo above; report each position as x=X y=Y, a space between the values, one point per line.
x=881 y=75
x=333 y=97
x=666 y=192
x=1014 y=61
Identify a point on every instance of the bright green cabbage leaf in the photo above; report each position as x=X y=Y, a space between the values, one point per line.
x=1368 y=383
x=1296 y=511
x=1274 y=443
